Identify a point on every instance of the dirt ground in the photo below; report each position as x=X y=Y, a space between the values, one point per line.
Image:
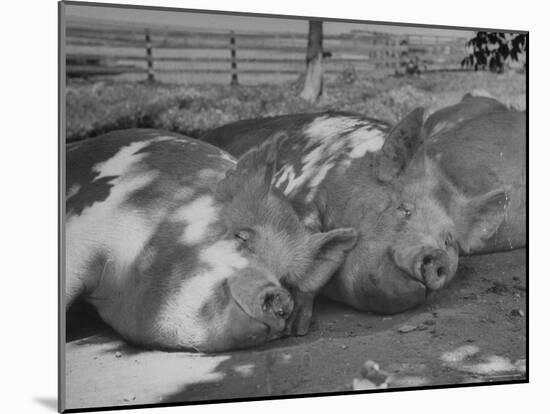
x=473 y=331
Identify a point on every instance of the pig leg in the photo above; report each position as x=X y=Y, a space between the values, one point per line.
x=262 y=300
x=329 y=250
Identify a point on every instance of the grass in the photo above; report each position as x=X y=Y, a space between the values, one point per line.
x=94 y=108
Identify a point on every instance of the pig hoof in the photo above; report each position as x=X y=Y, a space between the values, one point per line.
x=300 y=320
x=302 y=329
x=299 y=323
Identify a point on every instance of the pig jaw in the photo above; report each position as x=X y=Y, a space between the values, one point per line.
x=381 y=287
x=390 y=277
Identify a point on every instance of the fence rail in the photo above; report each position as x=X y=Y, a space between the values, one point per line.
x=93 y=51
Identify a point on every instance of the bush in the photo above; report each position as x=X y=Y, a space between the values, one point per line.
x=492 y=50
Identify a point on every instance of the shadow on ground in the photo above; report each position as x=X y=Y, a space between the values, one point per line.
x=48 y=402
x=474 y=331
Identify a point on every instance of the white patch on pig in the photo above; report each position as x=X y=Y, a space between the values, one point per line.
x=223 y=258
x=198 y=215
x=210 y=175
x=227 y=157
x=286 y=174
x=180 y=316
x=441 y=126
x=364 y=140
x=73 y=190
x=332 y=141
x=121 y=161
x=327 y=127
x=105 y=228
x=218 y=261
x=311 y=220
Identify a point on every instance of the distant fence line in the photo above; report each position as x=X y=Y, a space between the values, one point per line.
x=114 y=51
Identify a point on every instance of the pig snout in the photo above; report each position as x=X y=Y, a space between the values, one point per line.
x=262 y=299
x=256 y=312
x=277 y=305
x=433 y=267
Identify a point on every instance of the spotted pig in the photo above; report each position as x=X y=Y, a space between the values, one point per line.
x=178 y=246
x=420 y=193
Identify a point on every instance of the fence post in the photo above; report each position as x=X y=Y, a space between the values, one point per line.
x=149 y=49
x=233 y=46
x=396 y=54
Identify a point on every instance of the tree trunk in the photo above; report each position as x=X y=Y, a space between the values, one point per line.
x=313 y=85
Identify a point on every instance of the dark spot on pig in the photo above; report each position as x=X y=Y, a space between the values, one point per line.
x=373 y=279
x=219 y=300
x=167 y=269
x=444 y=196
x=96 y=191
x=409 y=144
x=145 y=196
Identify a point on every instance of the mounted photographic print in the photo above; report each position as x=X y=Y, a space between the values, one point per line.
x=256 y=206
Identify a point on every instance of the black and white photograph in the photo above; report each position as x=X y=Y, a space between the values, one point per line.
x=273 y=206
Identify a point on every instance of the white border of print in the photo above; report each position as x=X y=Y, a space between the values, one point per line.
x=29 y=207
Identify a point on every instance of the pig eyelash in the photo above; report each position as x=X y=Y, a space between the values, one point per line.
x=241 y=236
x=244 y=237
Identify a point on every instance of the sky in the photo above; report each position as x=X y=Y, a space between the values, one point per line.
x=243 y=23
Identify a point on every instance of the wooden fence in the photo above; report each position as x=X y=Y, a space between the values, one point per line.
x=233 y=57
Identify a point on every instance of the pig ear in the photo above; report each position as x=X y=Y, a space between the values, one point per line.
x=399 y=147
x=480 y=219
x=329 y=251
x=259 y=160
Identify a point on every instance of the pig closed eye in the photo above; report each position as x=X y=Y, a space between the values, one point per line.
x=449 y=241
x=241 y=236
x=244 y=236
